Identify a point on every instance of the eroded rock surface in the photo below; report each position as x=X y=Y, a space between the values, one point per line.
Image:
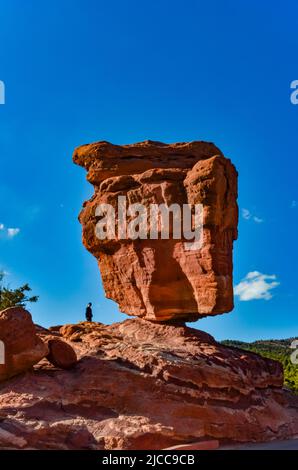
x=160 y=280
x=141 y=385
x=22 y=347
x=61 y=354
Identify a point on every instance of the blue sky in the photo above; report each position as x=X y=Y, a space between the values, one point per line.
x=81 y=71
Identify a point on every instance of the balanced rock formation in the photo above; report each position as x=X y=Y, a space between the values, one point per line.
x=162 y=279
x=145 y=385
x=21 y=346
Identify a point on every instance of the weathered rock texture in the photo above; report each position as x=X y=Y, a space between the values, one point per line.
x=61 y=354
x=143 y=385
x=23 y=348
x=161 y=280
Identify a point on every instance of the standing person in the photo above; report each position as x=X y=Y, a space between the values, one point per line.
x=89 y=314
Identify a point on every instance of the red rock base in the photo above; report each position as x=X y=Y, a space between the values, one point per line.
x=140 y=385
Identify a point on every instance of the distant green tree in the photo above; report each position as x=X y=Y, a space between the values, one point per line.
x=14 y=297
x=279 y=350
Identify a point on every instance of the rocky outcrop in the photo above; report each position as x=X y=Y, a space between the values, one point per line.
x=162 y=279
x=143 y=385
x=23 y=344
x=22 y=347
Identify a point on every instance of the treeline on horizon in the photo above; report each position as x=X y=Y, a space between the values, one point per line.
x=279 y=350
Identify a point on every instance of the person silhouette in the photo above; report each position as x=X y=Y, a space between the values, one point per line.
x=89 y=314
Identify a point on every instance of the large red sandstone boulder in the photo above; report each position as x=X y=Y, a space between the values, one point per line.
x=144 y=385
x=61 y=354
x=23 y=348
x=162 y=280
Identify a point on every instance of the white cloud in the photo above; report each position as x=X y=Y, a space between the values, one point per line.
x=8 y=232
x=12 y=232
x=258 y=220
x=256 y=286
x=247 y=215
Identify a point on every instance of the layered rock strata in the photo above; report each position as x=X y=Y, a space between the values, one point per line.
x=143 y=385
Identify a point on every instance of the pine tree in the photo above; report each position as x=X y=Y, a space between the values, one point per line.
x=14 y=297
